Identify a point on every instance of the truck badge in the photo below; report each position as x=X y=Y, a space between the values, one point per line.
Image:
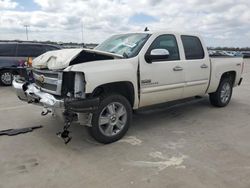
x=41 y=78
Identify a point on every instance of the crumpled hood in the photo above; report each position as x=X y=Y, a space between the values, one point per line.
x=60 y=59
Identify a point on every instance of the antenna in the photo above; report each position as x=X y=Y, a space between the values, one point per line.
x=26 y=28
x=146 y=29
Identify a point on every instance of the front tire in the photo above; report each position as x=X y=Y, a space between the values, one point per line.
x=112 y=119
x=223 y=94
x=6 y=78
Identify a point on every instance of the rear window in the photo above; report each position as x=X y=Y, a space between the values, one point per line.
x=192 y=47
x=7 y=50
x=25 y=50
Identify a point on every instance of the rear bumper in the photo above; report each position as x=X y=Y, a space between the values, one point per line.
x=30 y=93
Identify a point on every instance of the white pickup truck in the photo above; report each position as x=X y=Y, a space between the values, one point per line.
x=100 y=88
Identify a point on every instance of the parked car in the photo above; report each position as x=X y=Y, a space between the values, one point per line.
x=13 y=54
x=100 y=88
x=246 y=54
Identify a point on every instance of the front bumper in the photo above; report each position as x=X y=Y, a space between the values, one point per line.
x=30 y=93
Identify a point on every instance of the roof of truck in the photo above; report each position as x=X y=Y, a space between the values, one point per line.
x=159 y=32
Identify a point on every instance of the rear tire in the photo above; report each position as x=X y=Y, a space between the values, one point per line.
x=6 y=78
x=112 y=119
x=223 y=94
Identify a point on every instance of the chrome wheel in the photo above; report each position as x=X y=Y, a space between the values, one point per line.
x=6 y=78
x=112 y=119
x=225 y=92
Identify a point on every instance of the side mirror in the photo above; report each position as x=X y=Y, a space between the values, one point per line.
x=157 y=54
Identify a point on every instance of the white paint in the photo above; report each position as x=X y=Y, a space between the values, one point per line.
x=175 y=145
x=131 y=140
x=158 y=155
x=181 y=167
x=161 y=165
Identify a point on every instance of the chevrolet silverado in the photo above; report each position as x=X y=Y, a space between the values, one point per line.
x=102 y=87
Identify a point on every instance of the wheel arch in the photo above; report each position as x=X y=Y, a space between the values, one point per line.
x=13 y=71
x=124 y=88
x=229 y=74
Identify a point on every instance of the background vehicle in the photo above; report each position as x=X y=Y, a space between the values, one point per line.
x=100 y=88
x=13 y=54
x=246 y=54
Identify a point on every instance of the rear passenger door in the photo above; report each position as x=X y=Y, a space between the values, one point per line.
x=196 y=66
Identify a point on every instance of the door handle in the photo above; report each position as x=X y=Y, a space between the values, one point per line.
x=204 y=66
x=177 y=68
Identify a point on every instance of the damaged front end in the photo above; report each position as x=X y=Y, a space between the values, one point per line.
x=60 y=93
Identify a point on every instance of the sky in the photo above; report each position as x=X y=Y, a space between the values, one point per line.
x=220 y=22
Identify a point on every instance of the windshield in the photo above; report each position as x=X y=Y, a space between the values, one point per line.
x=127 y=45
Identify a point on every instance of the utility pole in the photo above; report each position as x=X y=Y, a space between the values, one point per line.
x=26 y=27
x=82 y=32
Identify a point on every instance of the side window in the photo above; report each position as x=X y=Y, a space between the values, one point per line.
x=38 y=50
x=7 y=50
x=25 y=50
x=192 y=47
x=50 y=48
x=169 y=43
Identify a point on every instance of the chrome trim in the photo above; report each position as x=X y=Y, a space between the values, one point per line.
x=204 y=66
x=197 y=82
x=47 y=80
x=19 y=89
x=57 y=82
x=163 y=88
x=34 y=94
x=177 y=68
x=45 y=71
x=173 y=86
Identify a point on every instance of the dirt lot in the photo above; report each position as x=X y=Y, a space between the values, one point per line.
x=189 y=145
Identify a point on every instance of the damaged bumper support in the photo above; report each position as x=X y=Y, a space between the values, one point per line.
x=70 y=109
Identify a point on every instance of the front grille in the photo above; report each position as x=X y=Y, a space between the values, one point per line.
x=48 y=81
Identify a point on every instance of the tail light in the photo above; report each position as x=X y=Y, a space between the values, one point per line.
x=242 y=67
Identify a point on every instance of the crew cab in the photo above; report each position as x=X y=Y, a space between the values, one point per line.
x=102 y=87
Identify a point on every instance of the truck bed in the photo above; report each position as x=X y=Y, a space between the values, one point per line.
x=219 y=65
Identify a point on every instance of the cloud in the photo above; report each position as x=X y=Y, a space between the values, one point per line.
x=221 y=22
x=7 y=4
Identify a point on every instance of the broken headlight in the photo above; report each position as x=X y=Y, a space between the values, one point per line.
x=73 y=85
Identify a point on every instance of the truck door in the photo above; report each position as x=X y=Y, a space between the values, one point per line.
x=161 y=77
x=196 y=66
